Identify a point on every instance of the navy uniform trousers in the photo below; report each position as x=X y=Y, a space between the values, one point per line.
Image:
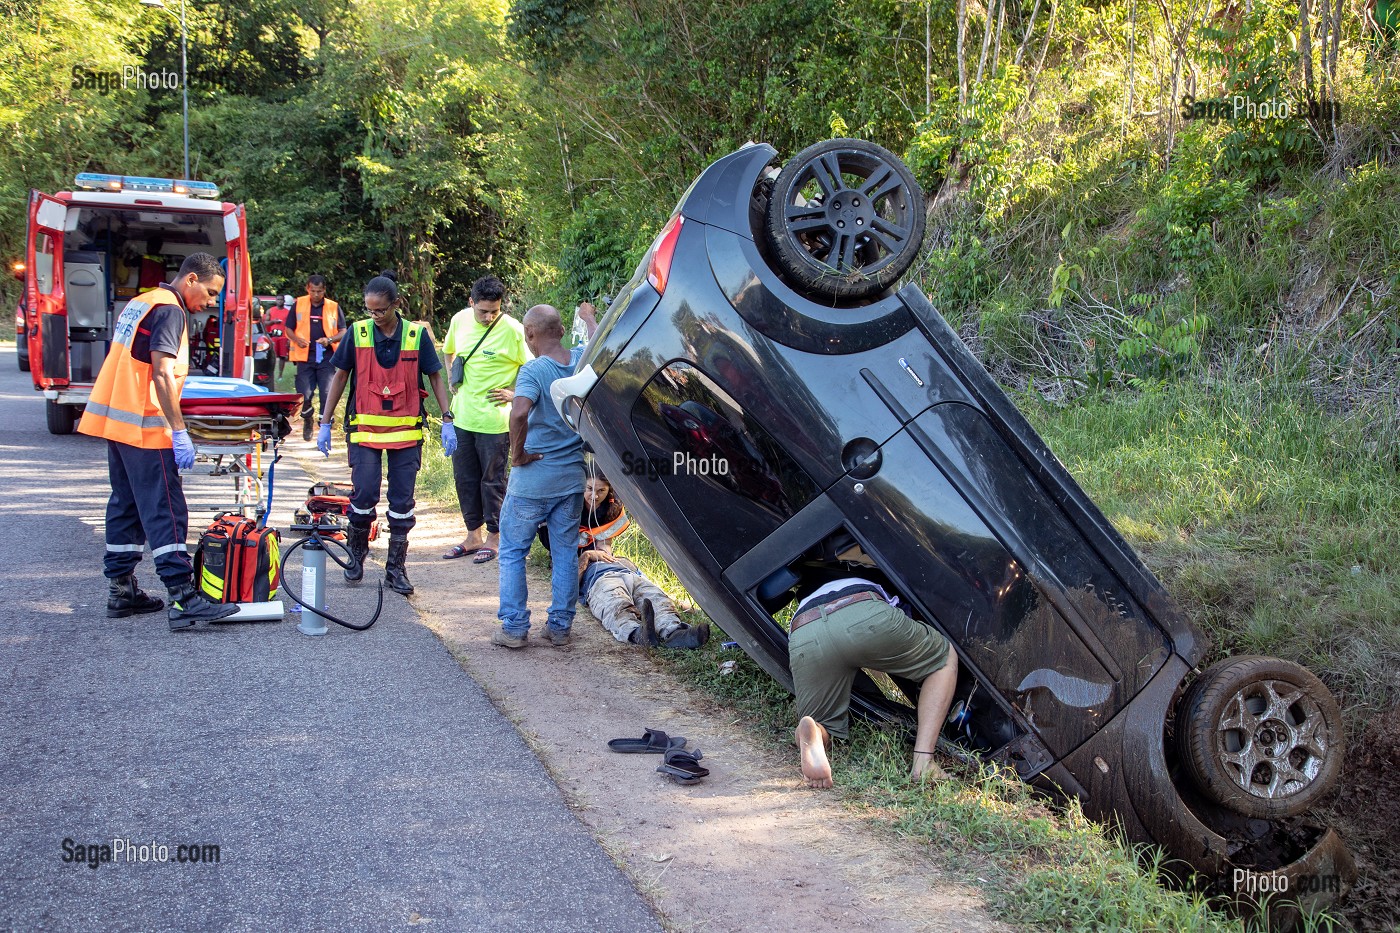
x=147 y=507
x=366 y=472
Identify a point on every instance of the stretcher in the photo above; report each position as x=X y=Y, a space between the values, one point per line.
x=236 y=428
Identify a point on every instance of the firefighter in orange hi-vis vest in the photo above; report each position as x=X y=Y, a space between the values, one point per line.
x=384 y=363
x=314 y=326
x=135 y=405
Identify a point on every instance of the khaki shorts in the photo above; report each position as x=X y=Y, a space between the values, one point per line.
x=826 y=654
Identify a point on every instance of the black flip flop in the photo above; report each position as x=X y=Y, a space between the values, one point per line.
x=653 y=741
x=683 y=766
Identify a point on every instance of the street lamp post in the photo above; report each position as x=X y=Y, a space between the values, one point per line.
x=184 y=75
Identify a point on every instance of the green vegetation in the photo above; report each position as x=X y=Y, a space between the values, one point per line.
x=1201 y=315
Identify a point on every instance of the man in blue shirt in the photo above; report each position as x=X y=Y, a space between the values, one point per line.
x=545 y=486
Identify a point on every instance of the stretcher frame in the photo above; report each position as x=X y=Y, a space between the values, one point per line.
x=238 y=455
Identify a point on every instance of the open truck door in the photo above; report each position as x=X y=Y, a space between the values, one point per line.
x=46 y=315
x=237 y=302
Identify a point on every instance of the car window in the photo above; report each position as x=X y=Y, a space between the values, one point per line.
x=714 y=458
x=43 y=263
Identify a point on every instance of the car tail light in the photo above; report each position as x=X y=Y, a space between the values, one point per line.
x=662 y=254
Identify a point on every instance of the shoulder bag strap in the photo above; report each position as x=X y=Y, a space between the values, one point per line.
x=459 y=365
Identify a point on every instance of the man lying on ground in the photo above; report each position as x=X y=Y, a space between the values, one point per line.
x=632 y=607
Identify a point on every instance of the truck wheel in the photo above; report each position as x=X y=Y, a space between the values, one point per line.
x=62 y=419
x=845 y=221
x=23 y=357
x=1261 y=736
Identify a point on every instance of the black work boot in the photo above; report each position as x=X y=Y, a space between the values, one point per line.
x=646 y=635
x=394 y=572
x=357 y=543
x=188 y=606
x=687 y=636
x=306 y=427
x=125 y=598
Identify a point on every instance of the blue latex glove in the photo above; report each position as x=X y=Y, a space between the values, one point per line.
x=323 y=440
x=449 y=438
x=184 y=449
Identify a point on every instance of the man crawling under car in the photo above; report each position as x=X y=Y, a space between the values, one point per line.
x=849 y=624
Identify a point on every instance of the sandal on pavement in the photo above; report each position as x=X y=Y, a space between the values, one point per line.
x=484 y=555
x=460 y=550
x=683 y=766
x=653 y=741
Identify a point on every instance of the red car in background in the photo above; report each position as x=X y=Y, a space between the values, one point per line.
x=275 y=309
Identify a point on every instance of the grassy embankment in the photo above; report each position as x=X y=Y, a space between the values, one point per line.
x=1270 y=521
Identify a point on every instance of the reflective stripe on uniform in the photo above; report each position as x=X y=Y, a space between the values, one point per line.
x=170 y=548
x=383 y=421
x=124 y=331
x=125 y=417
x=126 y=548
x=359 y=511
x=392 y=437
x=393 y=514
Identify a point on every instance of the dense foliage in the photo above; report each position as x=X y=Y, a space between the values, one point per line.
x=1095 y=219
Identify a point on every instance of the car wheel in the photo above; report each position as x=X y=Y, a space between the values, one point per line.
x=1260 y=736
x=61 y=418
x=23 y=357
x=845 y=220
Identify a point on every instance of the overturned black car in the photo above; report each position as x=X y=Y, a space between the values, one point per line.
x=773 y=412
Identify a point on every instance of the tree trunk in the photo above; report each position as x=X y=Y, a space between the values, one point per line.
x=962 y=58
x=1030 y=28
x=1305 y=46
x=996 y=46
x=986 y=42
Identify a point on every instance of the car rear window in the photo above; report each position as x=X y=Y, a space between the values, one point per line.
x=714 y=458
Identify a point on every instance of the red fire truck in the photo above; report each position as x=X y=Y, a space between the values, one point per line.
x=92 y=249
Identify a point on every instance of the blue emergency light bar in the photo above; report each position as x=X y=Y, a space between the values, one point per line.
x=97 y=181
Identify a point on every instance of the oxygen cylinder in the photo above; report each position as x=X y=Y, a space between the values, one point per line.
x=313 y=588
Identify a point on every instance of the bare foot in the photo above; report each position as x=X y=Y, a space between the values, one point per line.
x=811 y=739
x=926 y=769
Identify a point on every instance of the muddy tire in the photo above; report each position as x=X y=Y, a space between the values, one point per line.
x=1260 y=736
x=845 y=220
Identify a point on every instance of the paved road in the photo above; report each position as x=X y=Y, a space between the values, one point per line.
x=359 y=781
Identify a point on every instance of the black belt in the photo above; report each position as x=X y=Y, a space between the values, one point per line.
x=829 y=606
